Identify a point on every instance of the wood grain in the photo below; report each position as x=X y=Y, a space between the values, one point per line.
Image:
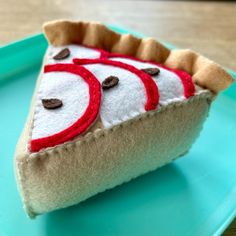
x=207 y=27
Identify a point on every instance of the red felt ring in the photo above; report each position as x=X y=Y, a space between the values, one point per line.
x=85 y=121
x=186 y=79
x=149 y=84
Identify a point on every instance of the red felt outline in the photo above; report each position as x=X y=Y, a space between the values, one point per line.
x=84 y=122
x=188 y=85
x=149 y=84
x=186 y=79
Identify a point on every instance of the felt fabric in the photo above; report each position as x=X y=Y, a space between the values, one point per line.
x=151 y=89
x=169 y=84
x=118 y=103
x=186 y=79
x=81 y=105
x=74 y=93
x=205 y=73
x=102 y=158
x=135 y=93
x=76 y=51
x=70 y=173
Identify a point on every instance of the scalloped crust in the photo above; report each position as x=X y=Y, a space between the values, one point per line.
x=205 y=72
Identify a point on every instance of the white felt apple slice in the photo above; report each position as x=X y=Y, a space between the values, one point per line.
x=65 y=54
x=135 y=93
x=67 y=104
x=173 y=85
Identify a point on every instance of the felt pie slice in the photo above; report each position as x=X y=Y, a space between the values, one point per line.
x=107 y=108
x=70 y=96
x=79 y=92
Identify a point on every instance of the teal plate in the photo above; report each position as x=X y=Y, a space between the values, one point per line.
x=194 y=195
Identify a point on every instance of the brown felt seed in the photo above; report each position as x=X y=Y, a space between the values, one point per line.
x=52 y=103
x=151 y=71
x=64 y=53
x=110 y=82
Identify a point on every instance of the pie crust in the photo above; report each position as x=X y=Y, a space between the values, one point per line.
x=205 y=72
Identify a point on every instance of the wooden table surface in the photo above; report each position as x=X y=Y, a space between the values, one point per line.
x=207 y=27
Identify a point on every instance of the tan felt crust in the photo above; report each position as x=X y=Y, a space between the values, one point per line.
x=205 y=73
x=72 y=172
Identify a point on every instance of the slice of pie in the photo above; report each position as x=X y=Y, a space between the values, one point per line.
x=108 y=108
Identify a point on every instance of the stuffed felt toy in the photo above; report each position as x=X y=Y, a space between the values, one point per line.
x=108 y=108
